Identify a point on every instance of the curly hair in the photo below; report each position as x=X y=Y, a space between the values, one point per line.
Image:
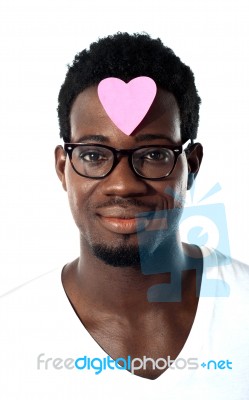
x=126 y=57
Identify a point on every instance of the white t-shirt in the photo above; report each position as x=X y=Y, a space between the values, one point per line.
x=39 y=325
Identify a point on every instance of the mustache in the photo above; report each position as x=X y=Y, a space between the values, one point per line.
x=123 y=203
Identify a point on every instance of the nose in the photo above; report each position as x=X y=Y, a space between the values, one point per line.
x=123 y=182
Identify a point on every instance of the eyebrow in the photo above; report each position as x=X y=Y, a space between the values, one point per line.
x=153 y=136
x=94 y=138
x=139 y=138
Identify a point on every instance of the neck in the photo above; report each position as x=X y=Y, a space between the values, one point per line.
x=160 y=278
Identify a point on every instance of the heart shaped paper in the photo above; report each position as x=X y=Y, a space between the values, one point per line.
x=126 y=104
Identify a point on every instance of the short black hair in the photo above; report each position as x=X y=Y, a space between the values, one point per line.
x=126 y=57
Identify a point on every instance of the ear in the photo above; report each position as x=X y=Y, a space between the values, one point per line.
x=60 y=162
x=194 y=154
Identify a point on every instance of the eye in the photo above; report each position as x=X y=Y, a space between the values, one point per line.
x=92 y=156
x=157 y=155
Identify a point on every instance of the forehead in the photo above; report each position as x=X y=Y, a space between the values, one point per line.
x=88 y=117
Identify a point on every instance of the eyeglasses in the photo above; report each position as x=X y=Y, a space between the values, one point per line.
x=97 y=161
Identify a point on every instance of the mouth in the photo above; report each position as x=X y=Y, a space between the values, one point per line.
x=123 y=221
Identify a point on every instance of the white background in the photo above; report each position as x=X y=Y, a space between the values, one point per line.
x=38 y=40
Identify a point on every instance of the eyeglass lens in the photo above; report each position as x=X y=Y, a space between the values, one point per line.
x=96 y=162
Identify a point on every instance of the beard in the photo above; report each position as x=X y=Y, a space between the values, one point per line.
x=121 y=256
x=146 y=259
x=153 y=252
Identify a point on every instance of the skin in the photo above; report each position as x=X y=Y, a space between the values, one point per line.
x=110 y=301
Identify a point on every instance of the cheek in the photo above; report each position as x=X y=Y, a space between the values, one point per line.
x=180 y=185
x=78 y=190
x=174 y=188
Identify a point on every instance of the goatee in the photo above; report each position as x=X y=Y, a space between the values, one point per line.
x=122 y=256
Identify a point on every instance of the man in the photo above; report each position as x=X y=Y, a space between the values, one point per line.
x=106 y=285
x=139 y=315
x=127 y=204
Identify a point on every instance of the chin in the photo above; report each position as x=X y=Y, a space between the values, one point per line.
x=147 y=246
x=121 y=256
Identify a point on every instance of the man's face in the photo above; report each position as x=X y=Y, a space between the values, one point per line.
x=105 y=210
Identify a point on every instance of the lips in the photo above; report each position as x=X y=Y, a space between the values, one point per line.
x=123 y=221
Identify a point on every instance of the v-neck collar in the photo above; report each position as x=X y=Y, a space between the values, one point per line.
x=197 y=336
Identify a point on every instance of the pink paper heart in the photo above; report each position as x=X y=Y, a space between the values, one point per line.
x=127 y=103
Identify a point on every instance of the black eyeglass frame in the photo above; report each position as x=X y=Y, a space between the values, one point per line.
x=119 y=153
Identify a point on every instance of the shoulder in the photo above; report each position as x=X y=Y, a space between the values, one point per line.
x=32 y=288
x=233 y=273
x=32 y=301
